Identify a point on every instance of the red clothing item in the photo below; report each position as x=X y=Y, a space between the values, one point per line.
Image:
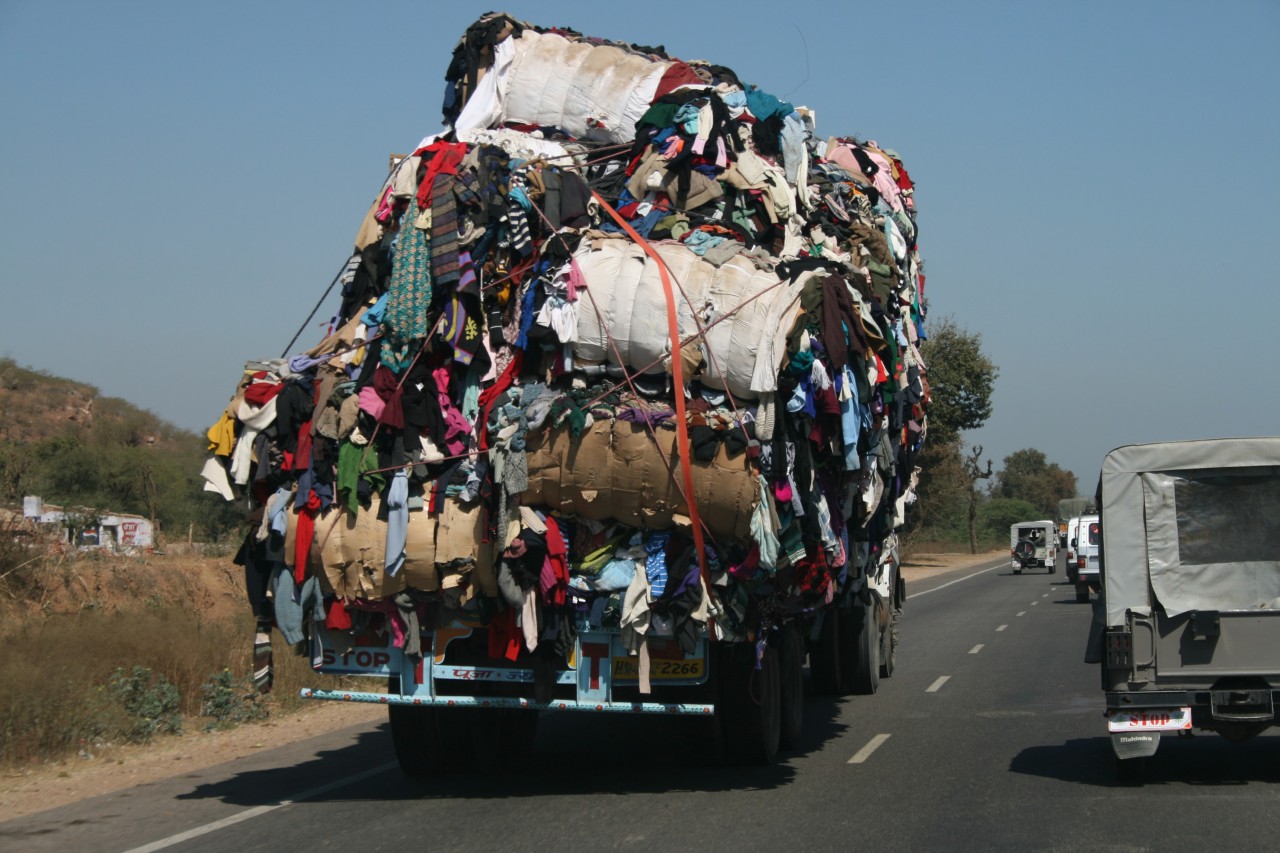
x=555 y=571
x=302 y=458
x=488 y=395
x=261 y=393
x=337 y=618
x=679 y=74
x=505 y=638
x=306 y=530
x=445 y=159
x=904 y=180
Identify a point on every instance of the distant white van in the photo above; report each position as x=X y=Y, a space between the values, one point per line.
x=1084 y=545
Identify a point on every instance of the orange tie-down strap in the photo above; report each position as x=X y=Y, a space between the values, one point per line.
x=677 y=375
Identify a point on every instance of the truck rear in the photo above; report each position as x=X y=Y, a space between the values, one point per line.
x=1187 y=630
x=620 y=412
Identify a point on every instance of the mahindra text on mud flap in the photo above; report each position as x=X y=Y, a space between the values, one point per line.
x=1187 y=629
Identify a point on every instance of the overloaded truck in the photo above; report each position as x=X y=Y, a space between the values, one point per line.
x=1187 y=629
x=619 y=413
x=1069 y=508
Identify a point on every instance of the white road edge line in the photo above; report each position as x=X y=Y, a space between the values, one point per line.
x=937 y=685
x=258 y=810
x=957 y=580
x=976 y=649
x=865 y=753
x=1002 y=627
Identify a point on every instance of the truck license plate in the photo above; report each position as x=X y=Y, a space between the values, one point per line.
x=628 y=669
x=1149 y=720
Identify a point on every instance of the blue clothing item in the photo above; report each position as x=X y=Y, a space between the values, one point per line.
x=763 y=105
x=850 y=419
x=699 y=242
x=655 y=565
x=293 y=605
x=687 y=118
x=793 y=151
x=397 y=520
x=373 y=317
x=644 y=225
x=303 y=363
x=616 y=575
x=517 y=195
x=735 y=101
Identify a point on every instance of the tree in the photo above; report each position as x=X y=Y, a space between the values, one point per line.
x=1028 y=475
x=961 y=379
x=997 y=515
x=973 y=470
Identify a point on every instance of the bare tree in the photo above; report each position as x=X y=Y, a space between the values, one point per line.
x=973 y=468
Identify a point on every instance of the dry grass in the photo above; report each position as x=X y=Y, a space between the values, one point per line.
x=71 y=622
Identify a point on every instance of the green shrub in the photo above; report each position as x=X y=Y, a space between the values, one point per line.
x=230 y=701
x=150 y=700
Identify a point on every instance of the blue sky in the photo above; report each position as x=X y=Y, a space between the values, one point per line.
x=1098 y=183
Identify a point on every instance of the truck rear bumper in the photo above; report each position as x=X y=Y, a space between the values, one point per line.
x=509 y=702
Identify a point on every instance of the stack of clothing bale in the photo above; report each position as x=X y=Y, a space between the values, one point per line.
x=627 y=346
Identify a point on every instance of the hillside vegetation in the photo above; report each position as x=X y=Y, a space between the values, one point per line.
x=63 y=441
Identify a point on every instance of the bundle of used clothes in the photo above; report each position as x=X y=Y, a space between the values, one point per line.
x=615 y=278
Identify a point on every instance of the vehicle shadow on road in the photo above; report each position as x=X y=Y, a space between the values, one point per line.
x=1202 y=760
x=572 y=754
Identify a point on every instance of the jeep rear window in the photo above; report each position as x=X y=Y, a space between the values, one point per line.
x=1228 y=519
x=1095 y=532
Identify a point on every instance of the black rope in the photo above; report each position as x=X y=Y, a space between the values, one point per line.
x=329 y=289
x=307 y=321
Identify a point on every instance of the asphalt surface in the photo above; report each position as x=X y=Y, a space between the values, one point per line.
x=988 y=737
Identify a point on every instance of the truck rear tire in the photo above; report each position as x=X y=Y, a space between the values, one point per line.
x=748 y=705
x=889 y=643
x=416 y=739
x=863 y=646
x=826 y=655
x=791 y=684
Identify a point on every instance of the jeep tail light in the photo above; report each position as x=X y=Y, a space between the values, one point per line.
x=1080 y=563
x=1119 y=649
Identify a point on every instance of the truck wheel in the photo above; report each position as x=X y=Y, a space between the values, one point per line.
x=749 y=705
x=826 y=655
x=1082 y=592
x=889 y=644
x=492 y=737
x=1053 y=566
x=863 y=644
x=414 y=736
x=791 y=684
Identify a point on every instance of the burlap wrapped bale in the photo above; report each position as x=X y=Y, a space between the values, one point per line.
x=614 y=472
x=349 y=552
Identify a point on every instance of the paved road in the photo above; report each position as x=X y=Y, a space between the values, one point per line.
x=989 y=736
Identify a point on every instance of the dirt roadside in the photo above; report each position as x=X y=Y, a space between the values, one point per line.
x=35 y=789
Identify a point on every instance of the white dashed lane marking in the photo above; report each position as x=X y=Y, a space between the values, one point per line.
x=937 y=685
x=1022 y=613
x=976 y=649
x=865 y=753
x=1034 y=603
x=1002 y=627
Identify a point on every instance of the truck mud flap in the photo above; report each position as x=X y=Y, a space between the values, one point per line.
x=1129 y=745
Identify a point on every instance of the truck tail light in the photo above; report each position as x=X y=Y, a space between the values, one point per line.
x=1080 y=563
